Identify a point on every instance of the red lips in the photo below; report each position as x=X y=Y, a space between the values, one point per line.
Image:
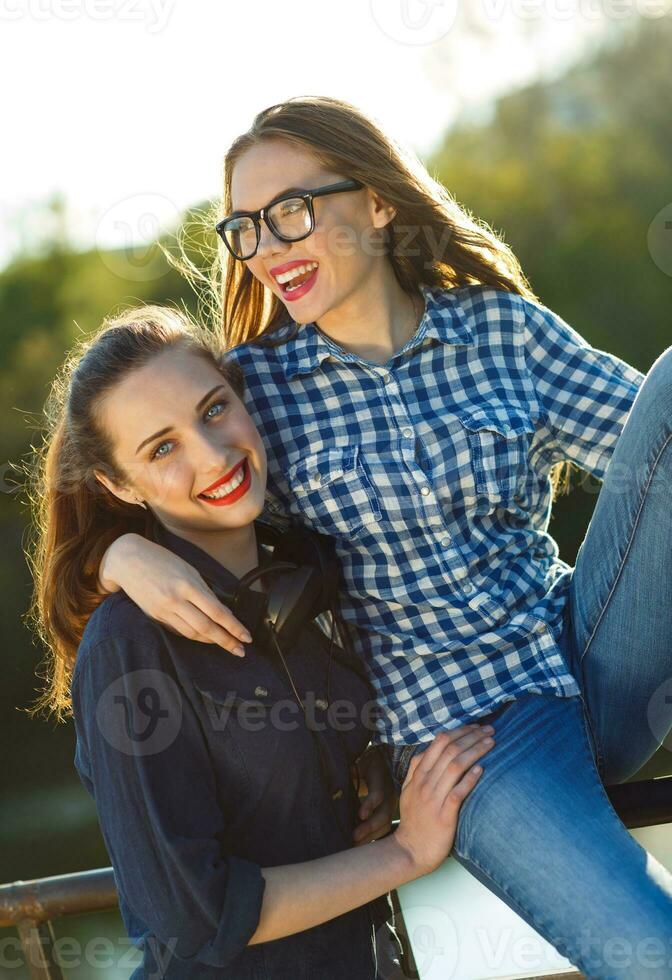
x=223 y=479
x=277 y=270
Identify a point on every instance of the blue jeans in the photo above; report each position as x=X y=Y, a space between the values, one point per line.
x=538 y=830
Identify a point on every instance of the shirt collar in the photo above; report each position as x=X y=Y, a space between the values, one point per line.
x=444 y=320
x=204 y=563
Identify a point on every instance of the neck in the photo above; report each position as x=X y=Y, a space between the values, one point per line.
x=234 y=548
x=376 y=319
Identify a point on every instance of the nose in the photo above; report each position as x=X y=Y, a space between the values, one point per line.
x=269 y=244
x=210 y=458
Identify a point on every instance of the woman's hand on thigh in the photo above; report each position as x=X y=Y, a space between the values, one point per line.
x=438 y=781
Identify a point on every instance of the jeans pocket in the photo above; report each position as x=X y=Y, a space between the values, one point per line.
x=400 y=761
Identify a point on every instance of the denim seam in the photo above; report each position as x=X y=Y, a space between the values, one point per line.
x=587 y=721
x=582 y=655
x=600 y=785
x=628 y=548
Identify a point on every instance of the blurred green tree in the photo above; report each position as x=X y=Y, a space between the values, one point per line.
x=572 y=173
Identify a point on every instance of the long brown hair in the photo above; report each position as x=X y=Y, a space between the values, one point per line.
x=449 y=247
x=74 y=517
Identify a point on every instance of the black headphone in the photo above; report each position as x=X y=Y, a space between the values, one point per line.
x=305 y=588
x=303 y=584
x=304 y=580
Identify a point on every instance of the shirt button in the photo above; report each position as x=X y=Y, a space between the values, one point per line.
x=386 y=378
x=316 y=478
x=469 y=588
x=445 y=542
x=261 y=692
x=337 y=795
x=322 y=704
x=407 y=433
x=425 y=491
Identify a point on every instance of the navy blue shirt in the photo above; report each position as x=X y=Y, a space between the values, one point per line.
x=203 y=770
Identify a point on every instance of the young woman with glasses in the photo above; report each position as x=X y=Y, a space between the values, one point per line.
x=420 y=405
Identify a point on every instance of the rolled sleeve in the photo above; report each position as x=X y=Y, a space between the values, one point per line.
x=142 y=754
x=585 y=393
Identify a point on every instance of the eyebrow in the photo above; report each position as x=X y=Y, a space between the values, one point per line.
x=287 y=190
x=169 y=428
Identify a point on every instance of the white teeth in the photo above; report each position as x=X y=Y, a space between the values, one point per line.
x=228 y=487
x=293 y=273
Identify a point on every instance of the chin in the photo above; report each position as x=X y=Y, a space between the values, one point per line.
x=224 y=517
x=308 y=314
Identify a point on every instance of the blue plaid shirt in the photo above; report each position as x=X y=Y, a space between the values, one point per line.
x=432 y=474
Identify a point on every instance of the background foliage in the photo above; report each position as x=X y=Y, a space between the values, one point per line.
x=573 y=173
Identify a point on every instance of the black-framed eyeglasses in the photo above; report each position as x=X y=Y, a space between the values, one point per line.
x=291 y=218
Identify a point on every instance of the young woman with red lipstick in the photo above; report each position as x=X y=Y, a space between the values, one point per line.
x=420 y=404
x=231 y=843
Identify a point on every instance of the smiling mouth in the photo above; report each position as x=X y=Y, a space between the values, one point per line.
x=296 y=277
x=224 y=490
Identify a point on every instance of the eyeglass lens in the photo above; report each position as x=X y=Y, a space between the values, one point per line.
x=290 y=218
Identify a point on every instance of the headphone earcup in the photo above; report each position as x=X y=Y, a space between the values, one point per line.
x=292 y=600
x=303 y=546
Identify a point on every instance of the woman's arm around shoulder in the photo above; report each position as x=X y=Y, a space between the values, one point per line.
x=171 y=591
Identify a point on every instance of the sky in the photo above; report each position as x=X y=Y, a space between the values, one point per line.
x=126 y=107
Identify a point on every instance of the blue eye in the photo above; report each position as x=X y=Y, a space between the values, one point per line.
x=158 y=455
x=206 y=415
x=223 y=404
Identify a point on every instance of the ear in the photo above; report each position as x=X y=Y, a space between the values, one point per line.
x=121 y=493
x=381 y=212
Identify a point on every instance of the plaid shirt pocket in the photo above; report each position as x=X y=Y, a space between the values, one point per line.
x=331 y=490
x=499 y=447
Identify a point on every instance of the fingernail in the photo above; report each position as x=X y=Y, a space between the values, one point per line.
x=246 y=636
x=487 y=728
x=239 y=651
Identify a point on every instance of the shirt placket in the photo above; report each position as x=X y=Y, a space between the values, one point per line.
x=453 y=563
x=449 y=555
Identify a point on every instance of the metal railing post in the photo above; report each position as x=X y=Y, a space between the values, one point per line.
x=37 y=942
